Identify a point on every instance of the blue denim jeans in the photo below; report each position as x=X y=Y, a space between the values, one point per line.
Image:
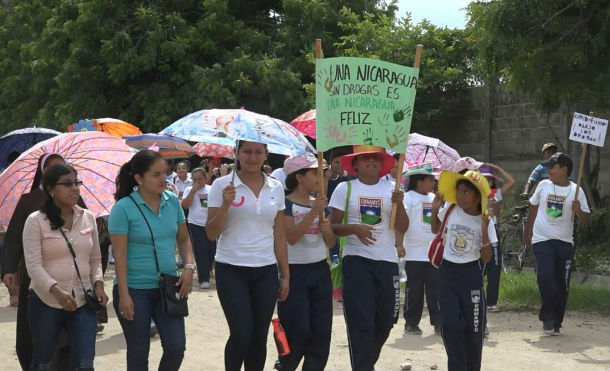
x=46 y=323
x=147 y=305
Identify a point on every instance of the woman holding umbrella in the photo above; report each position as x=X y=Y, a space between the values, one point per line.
x=245 y=213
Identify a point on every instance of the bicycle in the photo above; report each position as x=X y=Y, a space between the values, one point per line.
x=514 y=250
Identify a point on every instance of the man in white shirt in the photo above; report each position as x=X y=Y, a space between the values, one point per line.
x=551 y=238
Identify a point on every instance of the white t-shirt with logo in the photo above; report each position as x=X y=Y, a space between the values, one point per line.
x=554 y=217
x=311 y=248
x=464 y=237
x=247 y=238
x=418 y=236
x=371 y=205
x=198 y=211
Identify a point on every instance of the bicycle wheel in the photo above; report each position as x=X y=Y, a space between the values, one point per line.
x=512 y=243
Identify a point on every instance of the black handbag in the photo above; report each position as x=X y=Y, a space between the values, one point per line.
x=91 y=300
x=171 y=301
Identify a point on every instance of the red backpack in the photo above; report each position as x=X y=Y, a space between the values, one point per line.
x=437 y=247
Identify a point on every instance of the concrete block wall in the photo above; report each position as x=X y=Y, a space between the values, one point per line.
x=508 y=128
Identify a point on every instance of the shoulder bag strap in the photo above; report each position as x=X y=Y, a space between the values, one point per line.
x=442 y=231
x=74 y=259
x=152 y=236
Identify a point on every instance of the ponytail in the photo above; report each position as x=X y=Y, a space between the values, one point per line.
x=140 y=163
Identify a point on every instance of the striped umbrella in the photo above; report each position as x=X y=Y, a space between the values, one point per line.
x=168 y=147
x=96 y=156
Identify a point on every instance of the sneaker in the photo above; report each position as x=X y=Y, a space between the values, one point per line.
x=548 y=328
x=153 y=331
x=277 y=365
x=415 y=330
x=556 y=331
x=493 y=309
x=205 y=285
x=99 y=328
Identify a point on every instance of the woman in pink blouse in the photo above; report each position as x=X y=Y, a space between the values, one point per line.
x=57 y=293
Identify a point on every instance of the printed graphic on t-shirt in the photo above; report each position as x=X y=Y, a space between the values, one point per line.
x=462 y=238
x=426 y=212
x=203 y=200
x=554 y=206
x=370 y=209
x=297 y=216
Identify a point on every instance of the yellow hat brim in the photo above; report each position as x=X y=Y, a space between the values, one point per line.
x=447 y=187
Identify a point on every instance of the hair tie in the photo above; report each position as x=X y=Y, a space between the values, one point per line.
x=45 y=158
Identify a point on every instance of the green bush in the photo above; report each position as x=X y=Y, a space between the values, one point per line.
x=519 y=291
x=592 y=253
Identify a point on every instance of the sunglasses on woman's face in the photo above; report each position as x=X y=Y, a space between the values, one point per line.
x=69 y=184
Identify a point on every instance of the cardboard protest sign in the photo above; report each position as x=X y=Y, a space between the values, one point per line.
x=364 y=101
x=588 y=129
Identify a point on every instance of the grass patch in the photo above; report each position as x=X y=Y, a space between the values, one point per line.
x=519 y=292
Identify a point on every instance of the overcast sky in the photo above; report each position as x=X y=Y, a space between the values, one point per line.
x=448 y=13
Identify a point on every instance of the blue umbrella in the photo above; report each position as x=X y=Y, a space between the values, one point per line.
x=225 y=126
x=20 y=140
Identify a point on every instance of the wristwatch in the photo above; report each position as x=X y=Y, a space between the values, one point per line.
x=190 y=266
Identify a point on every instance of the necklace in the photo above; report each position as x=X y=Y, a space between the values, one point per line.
x=566 y=196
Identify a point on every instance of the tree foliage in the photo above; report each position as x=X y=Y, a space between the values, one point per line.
x=556 y=50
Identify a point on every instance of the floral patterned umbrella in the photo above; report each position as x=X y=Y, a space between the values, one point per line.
x=114 y=127
x=422 y=149
x=215 y=150
x=225 y=126
x=96 y=156
x=306 y=123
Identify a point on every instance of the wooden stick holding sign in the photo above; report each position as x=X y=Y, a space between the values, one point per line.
x=321 y=188
x=586 y=130
x=401 y=159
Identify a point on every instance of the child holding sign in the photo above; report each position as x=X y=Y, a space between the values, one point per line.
x=551 y=238
x=371 y=288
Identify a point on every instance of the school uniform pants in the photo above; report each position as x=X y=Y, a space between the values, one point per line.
x=247 y=296
x=371 y=304
x=553 y=270
x=306 y=316
x=462 y=308
x=204 y=250
x=421 y=278
x=493 y=270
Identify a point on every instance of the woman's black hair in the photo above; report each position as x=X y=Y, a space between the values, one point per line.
x=140 y=163
x=199 y=170
x=49 y=179
x=469 y=184
x=413 y=179
x=239 y=144
x=292 y=182
x=39 y=169
x=186 y=163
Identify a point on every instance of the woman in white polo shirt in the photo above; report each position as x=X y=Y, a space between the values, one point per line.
x=370 y=271
x=195 y=199
x=245 y=214
x=307 y=313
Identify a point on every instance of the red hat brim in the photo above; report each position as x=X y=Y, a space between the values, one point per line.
x=386 y=165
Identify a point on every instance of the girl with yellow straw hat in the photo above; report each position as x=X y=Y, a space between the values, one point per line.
x=460 y=284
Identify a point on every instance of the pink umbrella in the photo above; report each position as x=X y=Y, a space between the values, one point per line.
x=422 y=149
x=96 y=156
x=306 y=123
x=215 y=150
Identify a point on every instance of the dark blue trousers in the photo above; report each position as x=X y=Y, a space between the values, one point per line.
x=307 y=316
x=147 y=305
x=553 y=270
x=46 y=323
x=422 y=278
x=493 y=270
x=462 y=306
x=204 y=250
x=371 y=304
